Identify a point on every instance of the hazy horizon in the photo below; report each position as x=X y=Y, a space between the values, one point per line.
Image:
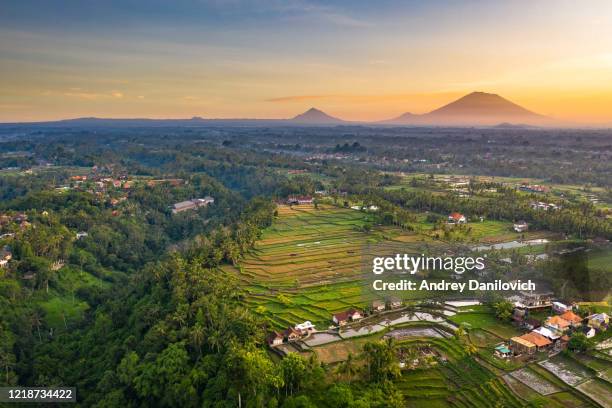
x=357 y=61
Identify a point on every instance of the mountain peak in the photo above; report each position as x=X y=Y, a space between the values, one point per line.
x=314 y=115
x=475 y=108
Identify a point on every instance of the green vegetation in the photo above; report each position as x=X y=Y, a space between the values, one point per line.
x=155 y=308
x=487 y=322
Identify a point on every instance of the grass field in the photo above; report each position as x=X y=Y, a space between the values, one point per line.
x=485 y=321
x=61 y=312
x=600 y=260
x=459 y=382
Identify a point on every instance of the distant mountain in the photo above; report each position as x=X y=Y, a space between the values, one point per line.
x=406 y=117
x=477 y=108
x=507 y=125
x=474 y=109
x=315 y=116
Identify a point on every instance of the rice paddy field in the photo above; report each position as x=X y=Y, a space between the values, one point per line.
x=485 y=321
x=460 y=382
x=307 y=265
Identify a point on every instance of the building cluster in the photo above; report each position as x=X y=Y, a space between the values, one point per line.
x=192 y=204
x=542 y=206
x=299 y=200
x=96 y=183
x=534 y=188
x=302 y=330
x=20 y=219
x=371 y=208
x=291 y=334
x=351 y=315
x=554 y=332
x=391 y=304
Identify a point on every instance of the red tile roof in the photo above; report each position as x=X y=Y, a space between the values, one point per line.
x=571 y=317
x=537 y=339
x=455 y=216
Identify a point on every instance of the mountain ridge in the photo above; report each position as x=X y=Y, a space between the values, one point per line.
x=473 y=109
x=315 y=116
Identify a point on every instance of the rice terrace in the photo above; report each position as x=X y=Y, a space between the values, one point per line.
x=307 y=267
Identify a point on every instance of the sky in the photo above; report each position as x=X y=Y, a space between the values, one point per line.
x=358 y=60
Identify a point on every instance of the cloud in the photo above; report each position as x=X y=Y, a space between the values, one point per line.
x=84 y=95
x=299 y=98
x=306 y=10
x=79 y=93
x=364 y=98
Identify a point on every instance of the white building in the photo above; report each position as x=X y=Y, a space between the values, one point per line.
x=521 y=226
x=192 y=204
x=306 y=327
x=560 y=307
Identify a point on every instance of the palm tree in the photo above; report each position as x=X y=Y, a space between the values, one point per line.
x=348 y=367
x=470 y=349
x=197 y=337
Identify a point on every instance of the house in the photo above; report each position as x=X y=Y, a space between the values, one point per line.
x=20 y=217
x=343 y=318
x=395 y=302
x=81 y=235
x=456 y=218
x=522 y=346
x=291 y=334
x=548 y=332
x=305 y=328
x=540 y=341
x=531 y=323
x=534 y=188
x=29 y=276
x=275 y=339
x=299 y=200
x=598 y=321
x=560 y=307
x=539 y=205
x=502 y=351
x=378 y=306
x=518 y=314
x=521 y=226
x=572 y=318
x=588 y=331
x=192 y=204
x=5 y=256
x=534 y=300
x=563 y=342
x=183 y=206
x=557 y=322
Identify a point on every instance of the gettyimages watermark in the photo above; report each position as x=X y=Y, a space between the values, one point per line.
x=409 y=264
x=445 y=269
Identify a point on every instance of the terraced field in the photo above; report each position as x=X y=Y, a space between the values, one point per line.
x=461 y=382
x=308 y=264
